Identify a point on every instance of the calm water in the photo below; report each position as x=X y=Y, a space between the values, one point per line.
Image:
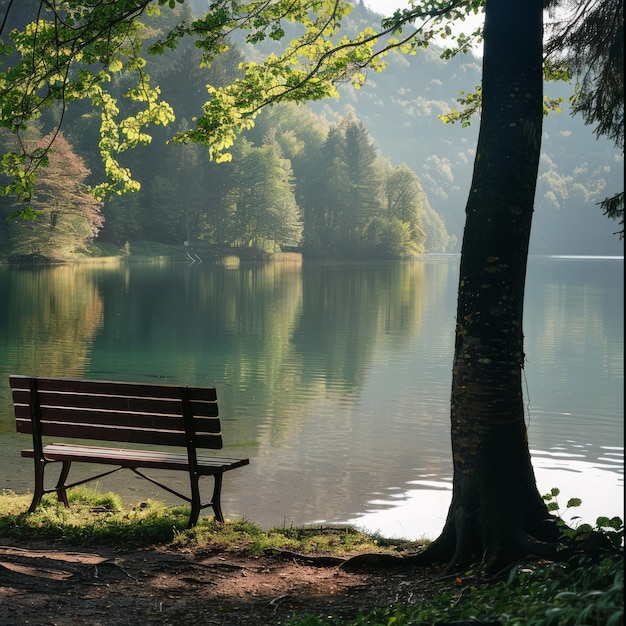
x=333 y=379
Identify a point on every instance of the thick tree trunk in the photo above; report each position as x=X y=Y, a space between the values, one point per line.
x=496 y=505
x=497 y=516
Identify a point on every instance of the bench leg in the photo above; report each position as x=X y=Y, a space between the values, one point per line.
x=39 y=490
x=196 y=504
x=39 y=484
x=60 y=488
x=217 y=493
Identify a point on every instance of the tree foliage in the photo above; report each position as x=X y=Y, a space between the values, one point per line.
x=186 y=197
x=264 y=212
x=65 y=51
x=589 y=41
x=66 y=216
x=69 y=50
x=356 y=204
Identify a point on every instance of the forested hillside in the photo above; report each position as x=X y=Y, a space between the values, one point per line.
x=399 y=107
x=373 y=174
x=295 y=182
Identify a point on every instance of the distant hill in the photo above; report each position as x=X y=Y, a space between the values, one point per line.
x=399 y=108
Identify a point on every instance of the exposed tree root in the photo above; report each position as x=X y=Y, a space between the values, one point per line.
x=365 y=563
x=498 y=558
x=459 y=548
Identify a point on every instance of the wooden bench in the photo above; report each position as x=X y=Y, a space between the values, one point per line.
x=121 y=412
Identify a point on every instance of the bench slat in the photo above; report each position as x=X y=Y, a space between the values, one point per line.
x=136 y=458
x=119 y=433
x=117 y=418
x=114 y=388
x=116 y=402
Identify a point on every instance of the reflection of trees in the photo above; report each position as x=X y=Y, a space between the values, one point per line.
x=52 y=317
x=573 y=339
x=348 y=314
x=48 y=321
x=274 y=339
x=265 y=305
x=299 y=339
x=294 y=352
x=208 y=325
x=335 y=445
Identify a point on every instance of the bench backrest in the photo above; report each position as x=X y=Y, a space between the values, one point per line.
x=117 y=411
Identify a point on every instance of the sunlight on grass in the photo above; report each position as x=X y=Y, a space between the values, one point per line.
x=100 y=518
x=91 y=518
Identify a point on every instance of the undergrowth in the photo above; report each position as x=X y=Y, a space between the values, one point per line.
x=585 y=589
x=539 y=594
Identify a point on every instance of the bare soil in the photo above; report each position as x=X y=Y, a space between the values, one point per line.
x=42 y=584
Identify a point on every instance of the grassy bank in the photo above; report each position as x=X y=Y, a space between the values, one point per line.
x=95 y=518
x=155 y=251
x=585 y=589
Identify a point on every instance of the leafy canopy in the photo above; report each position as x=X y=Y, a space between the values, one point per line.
x=70 y=50
x=61 y=51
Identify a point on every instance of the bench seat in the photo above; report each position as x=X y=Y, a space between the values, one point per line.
x=207 y=465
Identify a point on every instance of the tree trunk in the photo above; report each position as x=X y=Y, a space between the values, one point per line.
x=496 y=505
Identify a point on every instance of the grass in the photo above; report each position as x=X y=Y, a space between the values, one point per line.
x=583 y=591
x=95 y=518
x=139 y=250
x=101 y=252
x=156 y=251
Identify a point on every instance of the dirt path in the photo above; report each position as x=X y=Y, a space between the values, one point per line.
x=46 y=585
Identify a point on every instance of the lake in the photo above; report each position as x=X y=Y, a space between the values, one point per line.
x=333 y=378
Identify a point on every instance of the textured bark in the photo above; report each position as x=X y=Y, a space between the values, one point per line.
x=497 y=516
x=496 y=506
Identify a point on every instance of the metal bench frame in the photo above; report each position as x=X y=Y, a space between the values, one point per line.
x=122 y=412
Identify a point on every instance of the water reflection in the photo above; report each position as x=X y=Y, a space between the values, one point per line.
x=420 y=511
x=574 y=392
x=334 y=379
x=50 y=319
x=48 y=322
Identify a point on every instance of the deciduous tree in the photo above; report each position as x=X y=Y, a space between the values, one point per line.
x=265 y=210
x=588 y=37
x=68 y=216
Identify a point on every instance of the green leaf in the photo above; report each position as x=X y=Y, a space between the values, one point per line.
x=574 y=502
x=567 y=596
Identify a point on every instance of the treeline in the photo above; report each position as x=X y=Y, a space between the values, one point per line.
x=296 y=182
x=291 y=184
